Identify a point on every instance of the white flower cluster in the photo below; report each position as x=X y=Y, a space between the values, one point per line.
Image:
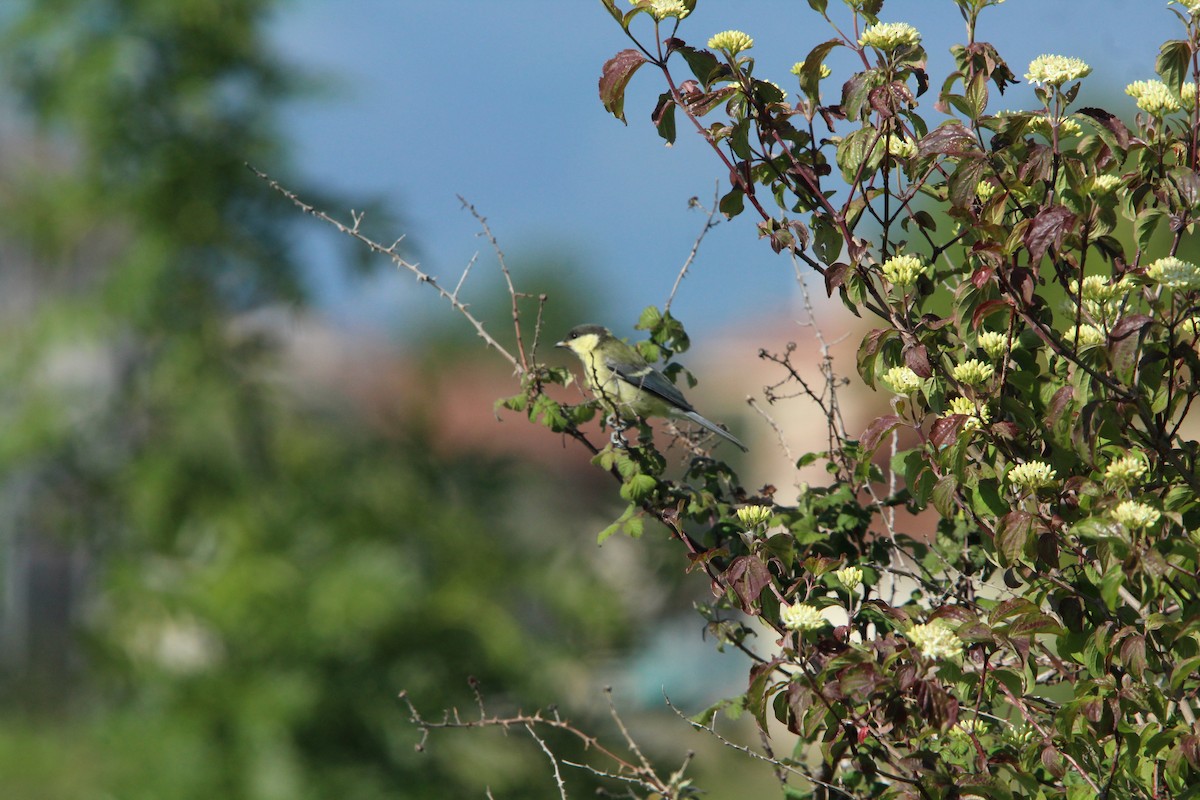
x=1086 y=335
x=887 y=36
x=753 y=516
x=1032 y=475
x=1099 y=297
x=902 y=271
x=730 y=42
x=986 y=190
x=901 y=146
x=1135 y=516
x=1173 y=273
x=662 y=9
x=902 y=380
x=978 y=415
x=935 y=640
x=1126 y=470
x=973 y=372
x=801 y=617
x=1056 y=70
x=993 y=343
x=1066 y=126
x=1153 y=97
x=850 y=577
x=823 y=71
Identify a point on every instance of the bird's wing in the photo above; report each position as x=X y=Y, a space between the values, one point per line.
x=650 y=380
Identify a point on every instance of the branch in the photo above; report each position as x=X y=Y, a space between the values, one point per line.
x=391 y=252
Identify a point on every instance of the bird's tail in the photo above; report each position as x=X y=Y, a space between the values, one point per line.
x=719 y=431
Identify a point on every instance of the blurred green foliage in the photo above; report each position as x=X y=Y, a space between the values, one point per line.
x=265 y=570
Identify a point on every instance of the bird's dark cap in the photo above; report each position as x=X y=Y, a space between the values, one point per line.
x=584 y=330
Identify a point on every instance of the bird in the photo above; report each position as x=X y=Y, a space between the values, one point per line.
x=625 y=383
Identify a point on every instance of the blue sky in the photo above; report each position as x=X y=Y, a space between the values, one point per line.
x=497 y=101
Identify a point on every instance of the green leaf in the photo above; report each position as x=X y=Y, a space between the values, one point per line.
x=860 y=154
x=518 y=402
x=1013 y=537
x=733 y=203
x=614 y=78
x=664 y=117
x=943 y=495
x=638 y=488
x=1173 y=62
x=630 y=522
x=548 y=412
x=810 y=73
x=986 y=499
x=703 y=64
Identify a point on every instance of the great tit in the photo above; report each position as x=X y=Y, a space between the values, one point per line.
x=625 y=384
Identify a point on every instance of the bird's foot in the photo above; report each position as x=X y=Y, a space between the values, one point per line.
x=619 y=426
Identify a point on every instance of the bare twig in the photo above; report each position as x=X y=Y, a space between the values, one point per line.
x=391 y=252
x=709 y=224
x=512 y=292
x=558 y=779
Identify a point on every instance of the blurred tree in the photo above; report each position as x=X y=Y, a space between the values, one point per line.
x=263 y=570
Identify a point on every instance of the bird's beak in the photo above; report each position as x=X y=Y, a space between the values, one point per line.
x=561 y=344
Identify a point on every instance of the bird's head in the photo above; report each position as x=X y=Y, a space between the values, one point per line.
x=583 y=339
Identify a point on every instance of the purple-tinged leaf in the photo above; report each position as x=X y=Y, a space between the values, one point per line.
x=835 y=276
x=1059 y=403
x=875 y=432
x=1005 y=430
x=1047 y=228
x=951 y=139
x=945 y=430
x=1110 y=123
x=916 y=357
x=1127 y=326
x=748 y=576
x=987 y=308
x=614 y=78
x=1013 y=535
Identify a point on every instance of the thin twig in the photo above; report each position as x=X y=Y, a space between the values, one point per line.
x=512 y=292
x=392 y=253
x=558 y=779
x=709 y=224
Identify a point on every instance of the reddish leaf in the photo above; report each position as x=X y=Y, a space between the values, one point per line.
x=989 y=307
x=1190 y=747
x=748 y=576
x=1127 y=326
x=835 y=276
x=1005 y=430
x=877 y=430
x=1035 y=622
x=1012 y=536
x=917 y=359
x=951 y=139
x=1047 y=229
x=1112 y=123
x=1053 y=762
x=1133 y=654
x=945 y=429
x=1024 y=282
x=1058 y=404
x=614 y=77
x=858 y=682
x=981 y=276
